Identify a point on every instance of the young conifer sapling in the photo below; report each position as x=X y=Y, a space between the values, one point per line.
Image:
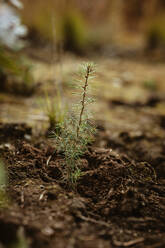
x=77 y=129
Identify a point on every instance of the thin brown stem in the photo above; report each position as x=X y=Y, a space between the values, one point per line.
x=83 y=98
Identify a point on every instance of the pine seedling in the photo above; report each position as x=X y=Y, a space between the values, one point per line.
x=77 y=130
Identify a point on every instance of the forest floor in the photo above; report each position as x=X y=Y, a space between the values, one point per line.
x=120 y=199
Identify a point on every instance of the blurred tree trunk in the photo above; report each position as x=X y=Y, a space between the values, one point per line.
x=116 y=20
x=137 y=13
x=133 y=12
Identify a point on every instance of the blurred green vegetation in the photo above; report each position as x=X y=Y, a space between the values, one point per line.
x=8 y=64
x=150 y=85
x=73 y=31
x=54 y=109
x=156 y=32
x=15 y=73
x=3 y=184
x=91 y=25
x=74 y=25
x=60 y=25
x=21 y=240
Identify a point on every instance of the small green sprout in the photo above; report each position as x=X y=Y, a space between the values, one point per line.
x=21 y=240
x=150 y=85
x=77 y=130
x=3 y=184
x=55 y=110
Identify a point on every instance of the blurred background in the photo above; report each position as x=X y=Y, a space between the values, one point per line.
x=125 y=38
x=85 y=26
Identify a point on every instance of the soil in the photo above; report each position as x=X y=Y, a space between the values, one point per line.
x=119 y=200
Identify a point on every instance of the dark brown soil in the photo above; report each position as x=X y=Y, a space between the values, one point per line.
x=119 y=201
